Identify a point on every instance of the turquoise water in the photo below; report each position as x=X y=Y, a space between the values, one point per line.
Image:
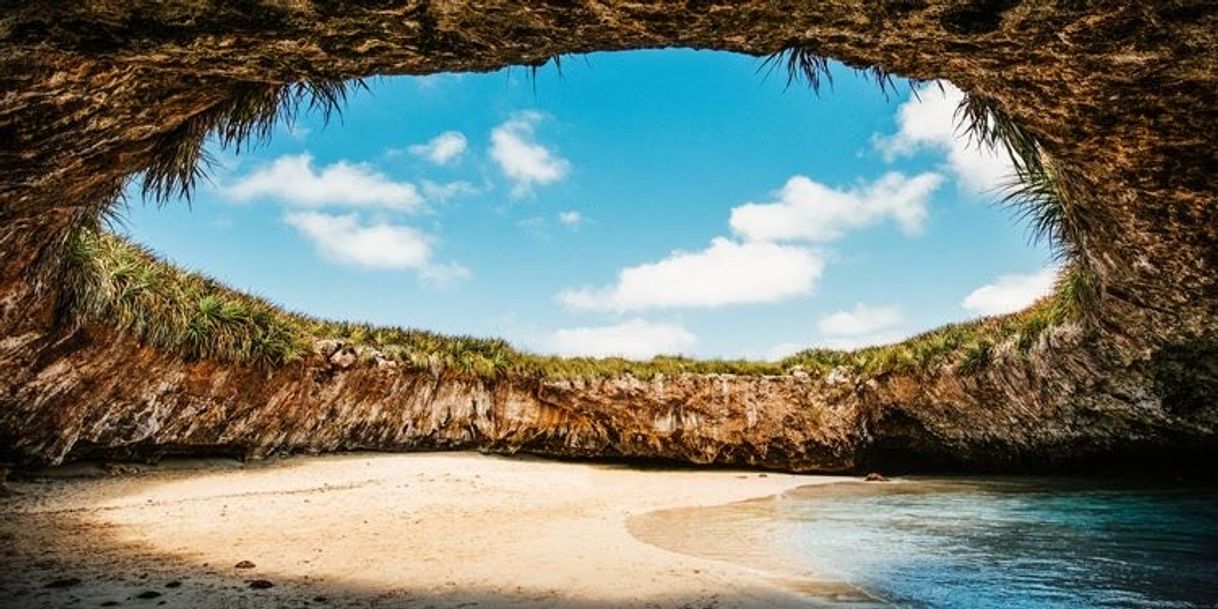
x=1012 y=543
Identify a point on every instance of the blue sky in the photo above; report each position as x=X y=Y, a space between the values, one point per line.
x=636 y=203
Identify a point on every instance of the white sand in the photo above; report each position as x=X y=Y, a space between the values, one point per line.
x=427 y=530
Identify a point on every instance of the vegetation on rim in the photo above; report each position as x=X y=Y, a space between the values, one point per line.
x=245 y=118
x=124 y=286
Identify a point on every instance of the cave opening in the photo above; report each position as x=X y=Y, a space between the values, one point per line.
x=1114 y=99
x=639 y=204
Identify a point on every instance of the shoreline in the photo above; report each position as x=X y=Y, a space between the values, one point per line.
x=763 y=542
x=365 y=529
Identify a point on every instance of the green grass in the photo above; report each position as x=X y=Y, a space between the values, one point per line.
x=968 y=346
x=121 y=285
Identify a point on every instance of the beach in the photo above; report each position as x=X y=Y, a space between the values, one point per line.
x=439 y=530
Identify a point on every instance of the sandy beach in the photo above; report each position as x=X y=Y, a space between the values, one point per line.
x=417 y=530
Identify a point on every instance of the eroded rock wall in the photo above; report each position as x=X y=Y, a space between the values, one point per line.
x=92 y=394
x=1121 y=94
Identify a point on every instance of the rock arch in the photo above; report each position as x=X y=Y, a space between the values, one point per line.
x=1120 y=94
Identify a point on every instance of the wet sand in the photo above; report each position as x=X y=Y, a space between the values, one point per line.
x=438 y=530
x=761 y=539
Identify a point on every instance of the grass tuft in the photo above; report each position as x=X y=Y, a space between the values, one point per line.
x=804 y=65
x=1035 y=197
x=124 y=286
x=987 y=124
x=1077 y=294
x=247 y=116
x=801 y=65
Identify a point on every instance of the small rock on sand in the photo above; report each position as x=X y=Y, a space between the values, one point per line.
x=261 y=584
x=245 y=564
x=119 y=469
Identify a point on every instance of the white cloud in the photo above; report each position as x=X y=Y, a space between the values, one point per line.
x=725 y=273
x=849 y=343
x=808 y=210
x=441 y=149
x=861 y=320
x=783 y=351
x=436 y=191
x=521 y=158
x=1010 y=293
x=570 y=218
x=292 y=181
x=344 y=239
x=633 y=339
x=535 y=225
x=299 y=133
x=432 y=83
x=928 y=122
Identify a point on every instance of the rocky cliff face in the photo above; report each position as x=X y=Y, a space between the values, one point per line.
x=91 y=394
x=1120 y=94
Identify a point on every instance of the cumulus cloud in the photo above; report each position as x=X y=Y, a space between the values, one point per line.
x=811 y=211
x=928 y=122
x=849 y=343
x=633 y=339
x=442 y=149
x=782 y=351
x=379 y=245
x=860 y=320
x=521 y=158
x=726 y=272
x=436 y=191
x=1010 y=293
x=292 y=181
x=759 y=265
x=570 y=218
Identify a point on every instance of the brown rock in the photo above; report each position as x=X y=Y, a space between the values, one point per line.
x=344 y=358
x=119 y=469
x=327 y=348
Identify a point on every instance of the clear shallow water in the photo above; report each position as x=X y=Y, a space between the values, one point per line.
x=1012 y=543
